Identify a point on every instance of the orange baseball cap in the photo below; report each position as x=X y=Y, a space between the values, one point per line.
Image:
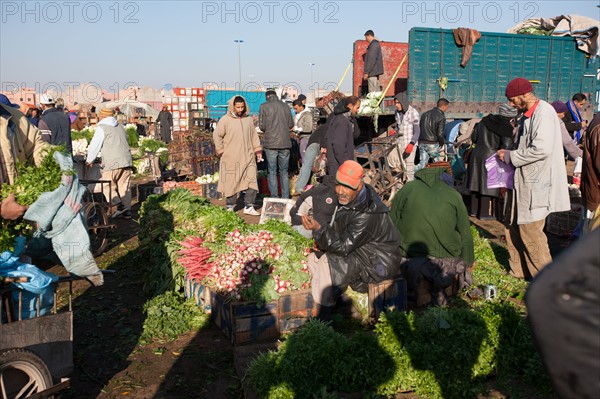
x=349 y=174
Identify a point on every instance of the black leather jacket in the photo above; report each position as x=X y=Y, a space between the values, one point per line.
x=362 y=245
x=432 y=127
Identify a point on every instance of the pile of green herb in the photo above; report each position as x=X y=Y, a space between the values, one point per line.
x=30 y=183
x=168 y=315
x=442 y=353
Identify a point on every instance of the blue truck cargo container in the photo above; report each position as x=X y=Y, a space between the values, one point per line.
x=554 y=65
x=216 y=101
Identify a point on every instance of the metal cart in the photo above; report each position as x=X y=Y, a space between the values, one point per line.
x=36 y=354
x=373 y=156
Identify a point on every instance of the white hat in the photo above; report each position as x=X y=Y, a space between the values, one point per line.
x=47 y=99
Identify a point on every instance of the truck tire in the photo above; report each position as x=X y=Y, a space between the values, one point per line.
x=22 y=373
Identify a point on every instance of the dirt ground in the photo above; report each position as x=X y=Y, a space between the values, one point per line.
x=109 y=363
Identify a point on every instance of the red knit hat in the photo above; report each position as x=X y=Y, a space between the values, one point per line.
x=349 y=174
x=518 y=87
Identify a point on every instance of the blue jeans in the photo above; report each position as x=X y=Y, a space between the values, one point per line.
x=427 y=151
x=279 y=158
x=312 y=151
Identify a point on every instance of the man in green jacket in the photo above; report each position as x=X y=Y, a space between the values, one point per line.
x=435 y=237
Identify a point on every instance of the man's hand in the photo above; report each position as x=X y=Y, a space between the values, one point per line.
x=583 y=124
x=11 y=209
x=309 y=223
x=366 y=76
x=500 y=154
x=259 y=157
x=408 y=150
x=219 y=151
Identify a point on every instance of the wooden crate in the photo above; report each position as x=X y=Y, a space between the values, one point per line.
x=422 y=294
x=387 y=294
x=245 y=322
x=562 y=224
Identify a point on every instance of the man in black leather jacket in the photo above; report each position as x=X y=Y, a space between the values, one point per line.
x=431 y=139
x=359 y=246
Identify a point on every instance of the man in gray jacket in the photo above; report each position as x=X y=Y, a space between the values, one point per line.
x=540 y=181
x=110 y=138
x=373 y=62
x=275 y=120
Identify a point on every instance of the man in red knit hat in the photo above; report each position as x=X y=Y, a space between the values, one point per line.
x=540 y=182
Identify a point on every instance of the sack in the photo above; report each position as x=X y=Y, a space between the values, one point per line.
x=320 y=165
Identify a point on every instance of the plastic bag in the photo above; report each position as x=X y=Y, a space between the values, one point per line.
x=499 y=174
x=320 y=165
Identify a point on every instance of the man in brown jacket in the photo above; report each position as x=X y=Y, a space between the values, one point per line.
x=590 y=173
x=20 y=141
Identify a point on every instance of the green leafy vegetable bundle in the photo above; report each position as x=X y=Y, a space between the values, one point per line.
x=30 y=183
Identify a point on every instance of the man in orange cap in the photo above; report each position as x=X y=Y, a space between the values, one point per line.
x=540 y=180
x=359 y=246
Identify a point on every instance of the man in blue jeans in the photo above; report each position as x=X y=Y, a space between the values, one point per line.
x=432 y=139
x=275 y=120
x=312 y=152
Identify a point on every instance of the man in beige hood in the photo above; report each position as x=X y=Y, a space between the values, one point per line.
x=238 y=145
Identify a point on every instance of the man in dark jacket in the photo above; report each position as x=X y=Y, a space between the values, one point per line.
x=54 y=125
x=431 y=139
x=360 y=245
x=165 y=120
x=573 y=120
x=436 y=239
x=373 y=62
x=275 y=120
x=339 y=139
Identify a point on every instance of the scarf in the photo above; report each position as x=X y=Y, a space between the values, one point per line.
x=576 y=118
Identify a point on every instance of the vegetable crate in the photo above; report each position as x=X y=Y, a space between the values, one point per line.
x=387 y=294
x=246 y=322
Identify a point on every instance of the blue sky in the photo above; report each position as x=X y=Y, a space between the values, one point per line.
x=191 y=43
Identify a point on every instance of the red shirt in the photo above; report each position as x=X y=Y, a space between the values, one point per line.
x=530 y=111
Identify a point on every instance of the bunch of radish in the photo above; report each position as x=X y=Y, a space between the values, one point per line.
x=248 y=254
x=194 y=257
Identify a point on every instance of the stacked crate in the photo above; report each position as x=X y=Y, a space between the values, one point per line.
x=193 y=152
x=180 y=101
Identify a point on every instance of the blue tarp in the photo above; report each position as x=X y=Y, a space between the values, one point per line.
x=216 y=101
x=39 y=284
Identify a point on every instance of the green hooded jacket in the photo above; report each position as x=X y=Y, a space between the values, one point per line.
x=432 y=219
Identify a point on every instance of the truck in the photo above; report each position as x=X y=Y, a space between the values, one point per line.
x=554 y=65
x=217 y=99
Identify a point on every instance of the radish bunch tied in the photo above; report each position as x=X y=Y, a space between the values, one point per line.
x=251 y=264
x=194 y=257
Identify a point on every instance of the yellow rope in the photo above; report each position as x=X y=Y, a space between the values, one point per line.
x=391 y=80
x=343 y=77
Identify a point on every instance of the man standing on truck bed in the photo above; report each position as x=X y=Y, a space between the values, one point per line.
x=431 y=138
x=373 y=62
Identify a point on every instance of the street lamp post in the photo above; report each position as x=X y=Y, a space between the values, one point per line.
x=239 y=42
x=311 y=64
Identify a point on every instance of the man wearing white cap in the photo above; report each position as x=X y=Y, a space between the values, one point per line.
x=54 y=123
